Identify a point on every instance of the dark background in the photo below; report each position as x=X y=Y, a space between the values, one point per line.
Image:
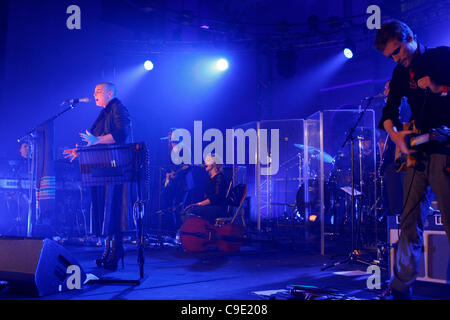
x=43 y=63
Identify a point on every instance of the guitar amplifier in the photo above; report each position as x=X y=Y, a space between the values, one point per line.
x=435 y=259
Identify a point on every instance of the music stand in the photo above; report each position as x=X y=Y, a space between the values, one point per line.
x=119 y=164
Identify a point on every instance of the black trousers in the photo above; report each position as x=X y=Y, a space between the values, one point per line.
x=431 y=172
x=393 y=190
x=209 y=213
x=111 y=208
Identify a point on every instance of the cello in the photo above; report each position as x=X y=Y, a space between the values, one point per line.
x=197 y=235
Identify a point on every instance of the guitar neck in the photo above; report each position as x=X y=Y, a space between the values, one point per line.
x=421 y=139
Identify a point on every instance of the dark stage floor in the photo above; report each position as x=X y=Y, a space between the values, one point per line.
x=172 y=274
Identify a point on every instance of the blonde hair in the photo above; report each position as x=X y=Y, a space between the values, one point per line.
x=214 y=159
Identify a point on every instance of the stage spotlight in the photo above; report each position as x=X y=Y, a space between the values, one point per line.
x=148 y=65
x=222 y=64
x=349 y=48
x=348 y=53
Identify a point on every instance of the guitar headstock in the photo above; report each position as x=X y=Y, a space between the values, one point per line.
x=441 y=134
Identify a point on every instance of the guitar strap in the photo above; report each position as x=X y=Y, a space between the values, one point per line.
x=422 y=109
x=419 y=119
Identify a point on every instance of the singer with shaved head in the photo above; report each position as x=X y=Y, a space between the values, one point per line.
x=110 y=204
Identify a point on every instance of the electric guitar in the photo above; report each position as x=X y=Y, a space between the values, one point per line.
x=415 y=141
x=173 y=174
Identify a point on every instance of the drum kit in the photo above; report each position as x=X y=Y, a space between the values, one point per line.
x=338 y=188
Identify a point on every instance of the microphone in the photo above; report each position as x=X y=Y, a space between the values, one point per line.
x=74 y=101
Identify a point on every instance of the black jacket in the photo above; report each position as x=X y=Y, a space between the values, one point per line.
x=428 y=110
x=216 y=190
x=114 y=119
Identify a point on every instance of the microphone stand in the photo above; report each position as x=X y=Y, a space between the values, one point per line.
x=29 y=133
x=353 y=255
x=31 y=137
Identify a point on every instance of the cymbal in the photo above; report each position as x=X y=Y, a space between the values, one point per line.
x=314 y=151
x=348 y=190
x=292 y=205
x=310 y=148
x=367 y=131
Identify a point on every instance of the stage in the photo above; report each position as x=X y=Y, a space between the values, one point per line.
x=271 y=130
x=256 y=272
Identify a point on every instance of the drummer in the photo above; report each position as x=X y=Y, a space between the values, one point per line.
x=365 y=135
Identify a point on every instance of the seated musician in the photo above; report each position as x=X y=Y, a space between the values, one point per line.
x=21 y=161
x=215 y=204
x=25 y=150
x=110 y=204
x=14 y=202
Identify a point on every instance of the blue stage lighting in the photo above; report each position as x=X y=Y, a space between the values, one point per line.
x=148 y=65
x=348 y=53
x=222 y=64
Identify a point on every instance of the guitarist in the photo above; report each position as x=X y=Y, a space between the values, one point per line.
x=174 y=185
x=422 y=75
